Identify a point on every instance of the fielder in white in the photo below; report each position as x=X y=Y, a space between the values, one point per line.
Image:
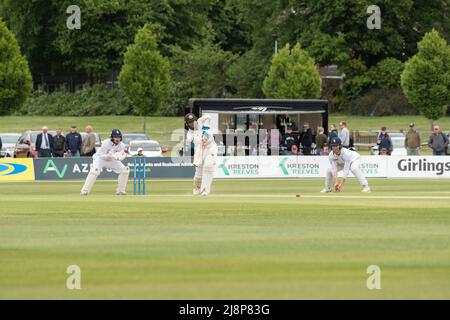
x=205 y=152
x=110 y=156
x=345 y=160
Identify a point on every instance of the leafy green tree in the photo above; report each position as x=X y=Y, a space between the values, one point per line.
x=145 y=75
x=246 y=74
x=199 y=72
x=231 y=30
x=203 y=68
x=184 y=22
x=332 y=32
x=377 y=90
x=426 y=78
x=387 y=73
x=32 y=23
x=319 y=24
x=335 y=32
x=292 y=75
x=15 y=76
x=360 y=79
x=107 y=28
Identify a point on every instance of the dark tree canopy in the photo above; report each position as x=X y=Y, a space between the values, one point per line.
x=238 y=33
x=15 y=77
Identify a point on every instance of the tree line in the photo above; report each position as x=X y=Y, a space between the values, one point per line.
x=225 y=48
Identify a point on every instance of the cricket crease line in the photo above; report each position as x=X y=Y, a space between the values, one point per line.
x=301 y=196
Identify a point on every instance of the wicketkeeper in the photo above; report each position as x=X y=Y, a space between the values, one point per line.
x=205 y=152
x=346 y=160
x=110 y=156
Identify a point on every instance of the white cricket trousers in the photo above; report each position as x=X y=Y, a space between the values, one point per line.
x=354 y=168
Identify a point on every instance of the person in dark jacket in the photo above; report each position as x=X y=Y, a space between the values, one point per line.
x=306 y=139
x=73 y=142
x=44 y=144
x=59 y=144
x=289 y=141
x=333 y=133
x=384 y=141
x=438 y=142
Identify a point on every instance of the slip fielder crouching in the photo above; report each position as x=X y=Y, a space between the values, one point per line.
x=345 y=160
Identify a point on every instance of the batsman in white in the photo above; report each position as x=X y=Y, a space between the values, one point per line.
x=205 y=152
x=110 y=156
x=346 y=160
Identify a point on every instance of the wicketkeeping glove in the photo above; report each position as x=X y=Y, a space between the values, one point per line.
x=120 y=155
x=109 y=156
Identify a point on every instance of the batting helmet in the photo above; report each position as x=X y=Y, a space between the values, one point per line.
x=190 y=117
x=116 y=133
x=335 y=142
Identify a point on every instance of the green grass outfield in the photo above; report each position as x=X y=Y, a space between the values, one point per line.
x=251 y=239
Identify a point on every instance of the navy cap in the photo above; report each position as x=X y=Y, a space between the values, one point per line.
x=335 y=141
